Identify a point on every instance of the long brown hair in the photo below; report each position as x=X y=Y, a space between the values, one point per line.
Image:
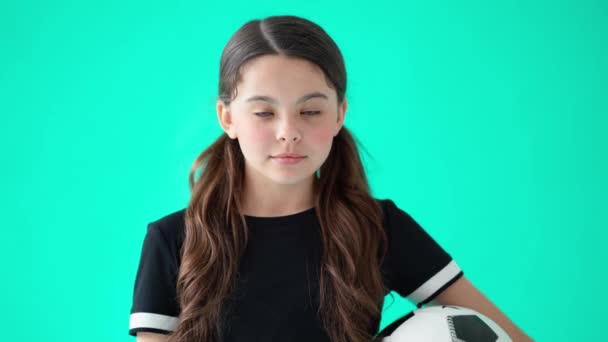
x=354 y=242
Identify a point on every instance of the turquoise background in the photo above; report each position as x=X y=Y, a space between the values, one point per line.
x=485 y=121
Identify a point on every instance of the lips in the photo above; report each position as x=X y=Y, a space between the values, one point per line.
x=288 y=155
x=289 y=160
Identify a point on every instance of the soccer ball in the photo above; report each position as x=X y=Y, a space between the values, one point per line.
x=444 y=323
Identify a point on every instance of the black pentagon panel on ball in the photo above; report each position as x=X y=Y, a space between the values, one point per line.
x=470 y=328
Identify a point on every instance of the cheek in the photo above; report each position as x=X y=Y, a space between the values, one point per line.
x=254 y=135
x=254 y=140
x=321 y=138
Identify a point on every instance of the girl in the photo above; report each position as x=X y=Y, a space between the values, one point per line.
x=281 y=239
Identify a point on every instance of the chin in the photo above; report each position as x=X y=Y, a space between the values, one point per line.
x=290 y=179
x=287 y=180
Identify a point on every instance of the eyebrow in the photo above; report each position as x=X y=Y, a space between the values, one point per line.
x=269 y=99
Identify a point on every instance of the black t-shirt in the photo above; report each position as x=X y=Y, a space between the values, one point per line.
x=277 y=298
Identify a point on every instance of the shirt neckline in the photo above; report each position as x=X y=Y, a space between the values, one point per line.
x=280 y=219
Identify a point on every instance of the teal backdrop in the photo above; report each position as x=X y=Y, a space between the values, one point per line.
x=486 y=121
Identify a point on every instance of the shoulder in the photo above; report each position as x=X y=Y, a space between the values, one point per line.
x=391 y=211
x=170 y=228
x=171 y=222
x=384 y=201
x=387 y=204
x=399 y=223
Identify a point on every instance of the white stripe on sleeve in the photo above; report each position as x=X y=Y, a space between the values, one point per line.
x=434 y=283
x=152 y=320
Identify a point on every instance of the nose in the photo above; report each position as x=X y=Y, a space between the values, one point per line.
x=288 y=131
x=294 y=139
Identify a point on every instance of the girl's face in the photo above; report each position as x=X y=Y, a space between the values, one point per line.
x=283 y=105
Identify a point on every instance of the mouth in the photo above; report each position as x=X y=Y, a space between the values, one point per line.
x=289 y=155
x=288 y=160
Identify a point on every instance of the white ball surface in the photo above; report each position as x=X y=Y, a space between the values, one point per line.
x=442 y=323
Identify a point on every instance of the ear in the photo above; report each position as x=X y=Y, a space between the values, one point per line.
x=225 y=118
x=341 y=116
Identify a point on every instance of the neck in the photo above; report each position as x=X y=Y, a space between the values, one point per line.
x=268 y=199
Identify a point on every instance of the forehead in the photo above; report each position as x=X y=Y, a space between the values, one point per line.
x=283 y=77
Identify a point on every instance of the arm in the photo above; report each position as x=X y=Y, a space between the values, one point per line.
x=150 y=337
x=463 y=293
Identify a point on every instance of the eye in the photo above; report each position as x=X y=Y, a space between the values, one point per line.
x=262 y=114
x=310 y=112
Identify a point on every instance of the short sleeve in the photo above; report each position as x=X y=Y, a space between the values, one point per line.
x=155 y=307
x=419 y=268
